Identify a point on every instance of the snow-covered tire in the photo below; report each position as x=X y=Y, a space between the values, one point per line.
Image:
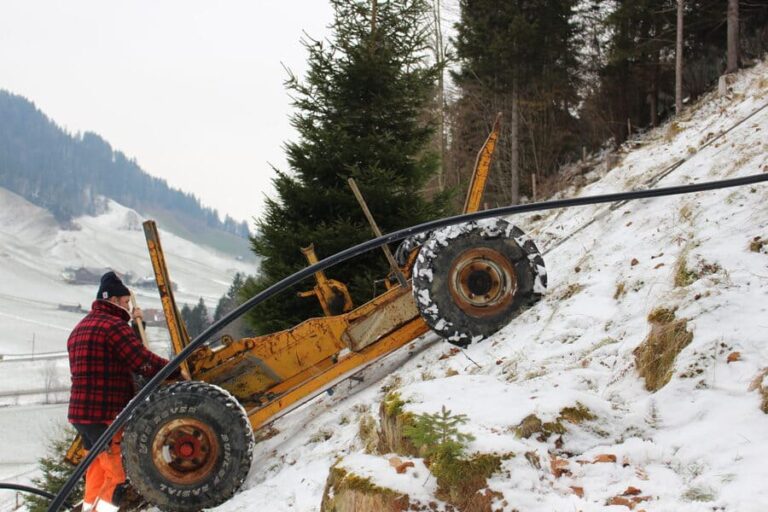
x=188 y=447
x=472 y=279
x=407 y=246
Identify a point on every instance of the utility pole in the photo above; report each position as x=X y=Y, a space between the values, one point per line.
x=679 y=60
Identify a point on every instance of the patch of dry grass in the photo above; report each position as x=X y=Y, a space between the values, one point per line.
x=757 y=385
x=570 y=291
x=531 y=424
x=672 y=130
x=655 y=357
x=621 y=290
x=368 y=433
x=683 y=275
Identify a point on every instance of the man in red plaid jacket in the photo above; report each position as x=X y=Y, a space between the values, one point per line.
x=104 y=352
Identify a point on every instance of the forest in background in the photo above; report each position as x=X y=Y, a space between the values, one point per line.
x=396 y=102
x=69 y=174
x=572 y=77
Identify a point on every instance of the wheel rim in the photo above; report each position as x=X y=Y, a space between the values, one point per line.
x=482 y=281
x=185 y=450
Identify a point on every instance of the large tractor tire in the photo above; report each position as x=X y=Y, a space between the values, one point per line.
x=188 y=447
x=472 y=279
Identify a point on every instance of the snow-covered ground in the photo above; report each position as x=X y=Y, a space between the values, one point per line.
x=697 y=444
x=33 y=254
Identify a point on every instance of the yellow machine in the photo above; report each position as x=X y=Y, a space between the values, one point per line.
x=189 y=445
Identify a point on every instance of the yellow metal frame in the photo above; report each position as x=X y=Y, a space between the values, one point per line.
x=482 y=168
x=273 y=374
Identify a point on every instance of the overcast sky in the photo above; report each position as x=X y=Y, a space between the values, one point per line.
x=192 y=89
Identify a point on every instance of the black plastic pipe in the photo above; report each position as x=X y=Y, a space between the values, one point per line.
x=27 y=489
x=364 y=247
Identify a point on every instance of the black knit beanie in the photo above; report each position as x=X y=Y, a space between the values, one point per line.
x=111 y=286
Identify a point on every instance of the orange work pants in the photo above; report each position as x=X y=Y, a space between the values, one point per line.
x=103 y=475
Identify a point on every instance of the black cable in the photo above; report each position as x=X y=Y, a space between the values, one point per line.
x=351 y=252
x=24 y=488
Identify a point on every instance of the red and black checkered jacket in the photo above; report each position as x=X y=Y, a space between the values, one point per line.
x=103 y=353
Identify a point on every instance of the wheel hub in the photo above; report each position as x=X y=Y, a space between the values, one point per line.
x=482 y=281
x=185 y=450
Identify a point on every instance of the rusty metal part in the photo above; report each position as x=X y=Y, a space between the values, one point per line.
x=482 y=281
x=179 y=336
x=185 y=450
x=333 y=295
x=482 y=168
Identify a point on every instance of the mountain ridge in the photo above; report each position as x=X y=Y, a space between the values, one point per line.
x=70 y=175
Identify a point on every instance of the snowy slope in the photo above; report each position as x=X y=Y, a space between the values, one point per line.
x=697 y=444
x=33 y=254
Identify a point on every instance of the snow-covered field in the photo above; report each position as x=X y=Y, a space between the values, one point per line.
x=697 y=444
x=33 y=254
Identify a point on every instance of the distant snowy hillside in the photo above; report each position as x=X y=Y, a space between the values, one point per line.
x=695 y=262
x=34 y=254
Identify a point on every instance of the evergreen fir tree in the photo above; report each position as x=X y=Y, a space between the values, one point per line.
x=516 y=56
x=437 y=435
x=55 y=472
x=236 y=329
x=229 y=300
x=196 y=318
x=361 y=114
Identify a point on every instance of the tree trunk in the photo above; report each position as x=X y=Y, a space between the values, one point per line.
x=653 y=96
x=679 y=60
x=514 y=161
x=374 y=13
x=440 y=58
x=733 y=36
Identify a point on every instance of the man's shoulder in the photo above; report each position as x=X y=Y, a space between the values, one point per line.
x=98 y=320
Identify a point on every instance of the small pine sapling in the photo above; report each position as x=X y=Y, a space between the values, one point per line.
x=55 y=472
x=437 y=436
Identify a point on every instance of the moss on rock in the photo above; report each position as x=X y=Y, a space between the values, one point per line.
x=347 y=492
x=393 y=421
x=461 y=480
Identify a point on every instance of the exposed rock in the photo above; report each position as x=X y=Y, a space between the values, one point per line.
x=346 y=492
x=367 y=483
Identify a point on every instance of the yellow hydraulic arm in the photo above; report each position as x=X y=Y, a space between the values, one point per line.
x=179 y=336
x=482 y=167
x=333 y=295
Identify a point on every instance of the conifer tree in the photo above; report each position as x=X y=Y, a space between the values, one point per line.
x=195 y=319
x=516 y=57
x=229 y=300
x=361 y=113
x=55 y=471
